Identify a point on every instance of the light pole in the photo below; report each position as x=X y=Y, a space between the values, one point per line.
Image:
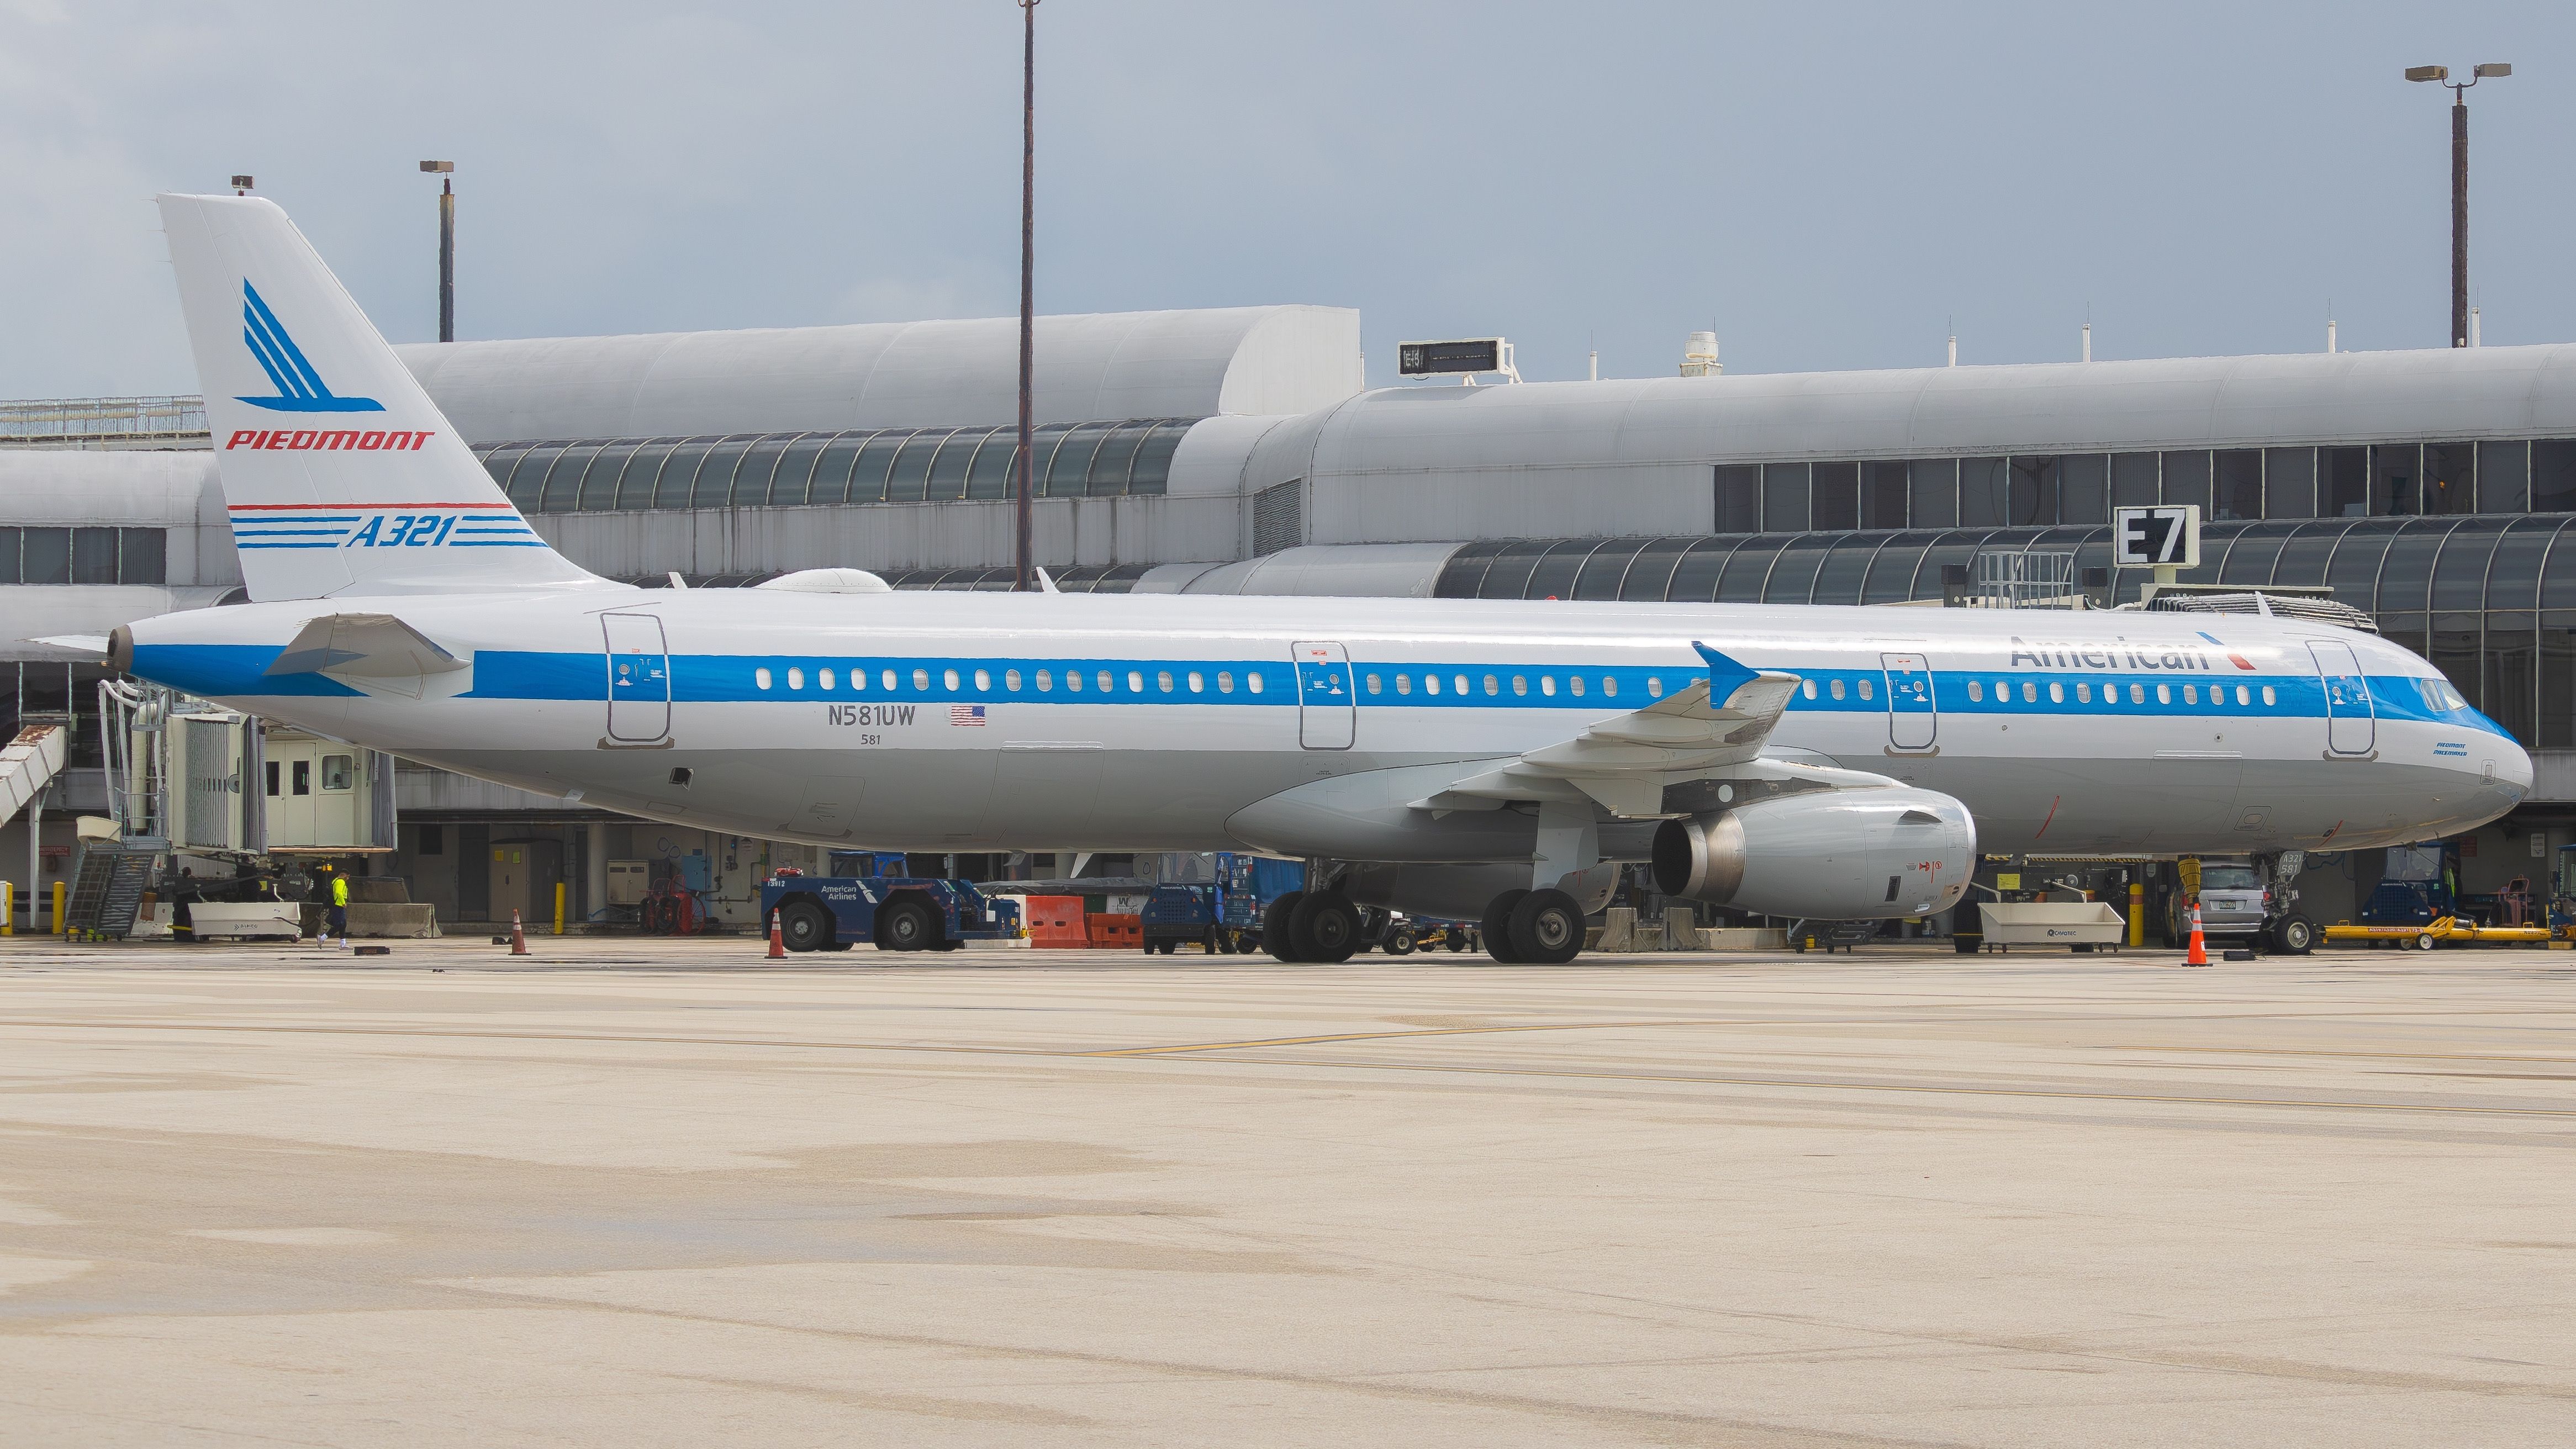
x=444 y=171
x=1024 y=574
x=2459 y=181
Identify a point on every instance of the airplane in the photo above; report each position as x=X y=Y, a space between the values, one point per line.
x=1499 y=762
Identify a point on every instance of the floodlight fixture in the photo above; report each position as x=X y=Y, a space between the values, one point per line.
x=437 y=167
x=2491 y=70
x=241 y=186
x=2428 y=72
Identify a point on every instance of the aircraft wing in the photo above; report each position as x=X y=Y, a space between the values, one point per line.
x=1624 y=763
x=377 y=648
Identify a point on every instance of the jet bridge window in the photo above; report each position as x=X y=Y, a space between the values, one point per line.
x=338 y=772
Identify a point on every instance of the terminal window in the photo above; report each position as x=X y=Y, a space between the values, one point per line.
x=83 y=556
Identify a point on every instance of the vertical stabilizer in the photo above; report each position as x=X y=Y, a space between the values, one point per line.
x=340 y=476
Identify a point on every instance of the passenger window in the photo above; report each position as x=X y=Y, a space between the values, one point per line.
x=1493 y=685
x=1575 y=682
x=1460 y=681
x=795 y=678
x=2056 y=692
x=338 y=772
x=1865 y=692
x=1011 y=680
x=2003 y=691
x=1547 y=684
x=1107 y=684
x=948 y=677
x=1431 y=684
x=1610 y=686
x=2242 y=697
x=983 y=681
x=1373 y=686
x=2164 y=694
x=1252 y=680
x=1654 y=686
x=1046 y=681
x=303 y=778
x=1808 y=688
x=1225 y=681
x=920 y=679
x=1838 y=689
x=1162 y=680
x=2191 y=694
x=2268 y=696
x=1073 y=681
x=1136 y=681
x=2137 y=694
x=1198 y=682
x=889 y=679
x=824 y=679
x=2029 y=692
x=760 y=676
x=2083 y=692
x=1976 y=691
x=1404 y=684
x=1520 y=684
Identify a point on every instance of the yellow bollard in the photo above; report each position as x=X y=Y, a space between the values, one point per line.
x=61 y=889
x=8 y=909
x=2137 y=913
x=560 y=890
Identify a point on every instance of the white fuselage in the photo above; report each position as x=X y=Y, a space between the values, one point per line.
x=952 y=721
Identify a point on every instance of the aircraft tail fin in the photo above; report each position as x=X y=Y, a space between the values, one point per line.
x=340 y=476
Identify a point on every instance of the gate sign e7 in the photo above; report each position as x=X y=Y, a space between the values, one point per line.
x=2167 y=537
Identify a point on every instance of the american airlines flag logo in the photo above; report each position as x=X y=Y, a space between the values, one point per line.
x=966 y=714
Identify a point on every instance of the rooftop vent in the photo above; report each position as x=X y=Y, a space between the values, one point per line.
x=1699 y=356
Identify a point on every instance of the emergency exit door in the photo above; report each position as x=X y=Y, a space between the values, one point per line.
x=1913 y=718
x=1327 y=710
x=639 y=678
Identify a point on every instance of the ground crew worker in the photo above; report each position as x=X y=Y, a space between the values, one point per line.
x=336 y=919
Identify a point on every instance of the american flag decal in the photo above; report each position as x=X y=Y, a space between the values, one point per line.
x=966 y=714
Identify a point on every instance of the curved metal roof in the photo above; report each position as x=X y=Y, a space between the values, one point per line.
x=2183 y=402
x=1093 y=367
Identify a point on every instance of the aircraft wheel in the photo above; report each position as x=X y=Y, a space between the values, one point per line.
x=1547 y=928
x=1496 y=927
x=2294 y=935
x=1275 y=938
x=804 y=926
x=1326 y=927
x=905 y=926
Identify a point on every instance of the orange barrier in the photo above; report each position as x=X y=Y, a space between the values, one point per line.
x=1111 y=933
x=1056 y=923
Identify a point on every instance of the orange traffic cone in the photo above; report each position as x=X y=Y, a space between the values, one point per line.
x=777 y=942
x=2199 y=949
x=518 y=934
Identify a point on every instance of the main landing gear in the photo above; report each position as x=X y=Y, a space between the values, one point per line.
x=1320 y=927
x=1540 y=927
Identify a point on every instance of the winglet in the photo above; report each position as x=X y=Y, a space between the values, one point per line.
x=1046 y=585
x=1725 y=676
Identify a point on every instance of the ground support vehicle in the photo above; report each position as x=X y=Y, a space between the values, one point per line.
x=896 y=913
x=1177 y=915
x=1247 y=887
x=2440 y=931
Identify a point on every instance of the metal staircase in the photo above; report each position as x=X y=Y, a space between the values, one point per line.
x=107 y=892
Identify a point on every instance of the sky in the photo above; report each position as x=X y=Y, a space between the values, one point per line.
x=1825 y=185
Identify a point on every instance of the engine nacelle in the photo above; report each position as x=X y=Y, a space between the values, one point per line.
x=1840 y=855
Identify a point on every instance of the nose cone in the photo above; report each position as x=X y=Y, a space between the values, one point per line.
x=2513 y=772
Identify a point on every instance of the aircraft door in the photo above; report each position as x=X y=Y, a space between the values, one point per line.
x=639 y=678
x=1327 y=708
x=2350 y=725
x=1913 y=718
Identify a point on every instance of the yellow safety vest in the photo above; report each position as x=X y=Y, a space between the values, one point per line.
x=339 y=890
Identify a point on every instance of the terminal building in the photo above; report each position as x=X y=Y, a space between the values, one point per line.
x=1238 y=451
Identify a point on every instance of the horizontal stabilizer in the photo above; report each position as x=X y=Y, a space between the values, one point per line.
x=376 y=648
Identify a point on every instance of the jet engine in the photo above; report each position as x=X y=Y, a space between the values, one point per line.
x=1850 y=854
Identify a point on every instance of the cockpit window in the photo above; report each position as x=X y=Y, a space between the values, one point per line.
x=2440 y=697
